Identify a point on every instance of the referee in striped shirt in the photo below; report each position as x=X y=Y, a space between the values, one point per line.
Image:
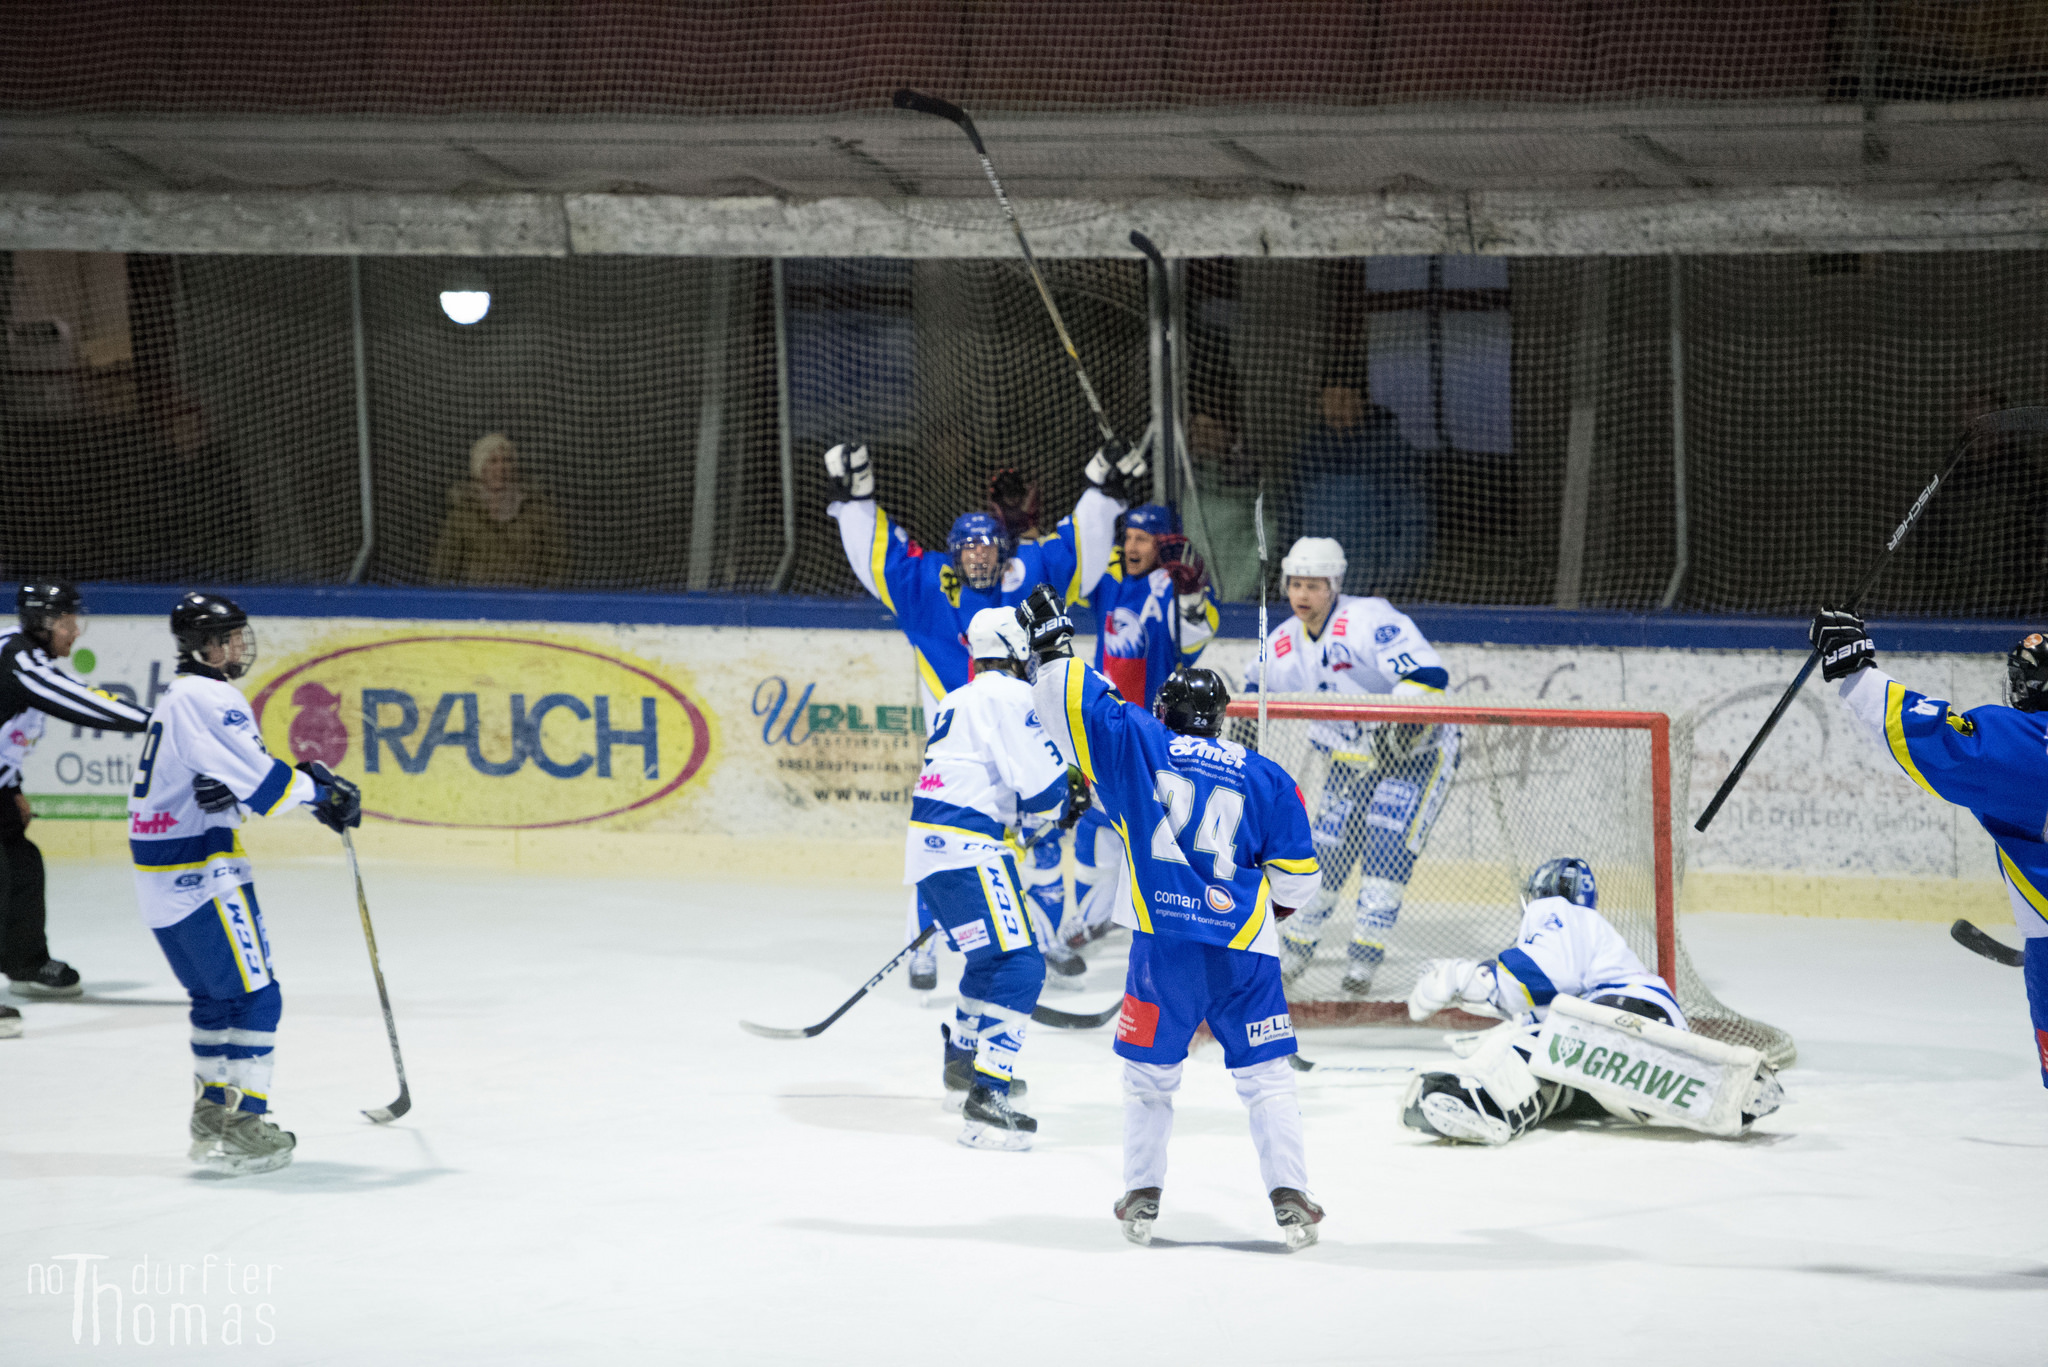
x=33 y=689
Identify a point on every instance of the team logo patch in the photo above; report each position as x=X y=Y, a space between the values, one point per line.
x=234 y=717
x=935 y=842
x=972 y=936
x=1269 y=1030
x=1138 y=1022
x=1341 y=626
x=1219 y=899
x=1386 y=634
x=155 y=824
x=1283 y=646
x=1013 y=575
x=189 y=880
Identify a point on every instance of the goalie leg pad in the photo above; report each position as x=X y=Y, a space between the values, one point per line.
x=1268 y=1093
x=1491 y=1099
x=1647 y=1071
x=1148 y=1121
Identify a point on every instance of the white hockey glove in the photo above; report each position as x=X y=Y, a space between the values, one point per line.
x=1453 y=982
x=851 y=470
x=1117 y=472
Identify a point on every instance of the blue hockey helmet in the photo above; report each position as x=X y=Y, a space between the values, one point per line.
x=1155 y=519
x=978 y=529
x=1571 y=879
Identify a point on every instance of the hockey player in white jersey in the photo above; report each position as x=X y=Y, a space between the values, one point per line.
x=1567 y=957
x=1387 y=782
x=202 y=760
x=988 y=766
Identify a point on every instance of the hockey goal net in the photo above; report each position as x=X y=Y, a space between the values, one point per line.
x=1525 y=784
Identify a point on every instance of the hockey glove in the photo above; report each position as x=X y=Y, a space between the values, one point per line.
x=1451 y=982
x=337 y=803
x=1397 y=742
x=1844 y=645
x=213 y=796
x=1013 y=501
x=1052 y=631
x=1079 y=800
x=1117 y=472
x=851 y=470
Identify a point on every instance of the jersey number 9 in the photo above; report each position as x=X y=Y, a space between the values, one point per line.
x=145 y=767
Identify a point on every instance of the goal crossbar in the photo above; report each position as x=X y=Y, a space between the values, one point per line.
x=1656 y=723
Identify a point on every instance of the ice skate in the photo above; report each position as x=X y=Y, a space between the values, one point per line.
x=10 y=1022
x=924 y=971
x=1137 y=1210
x=993 y=1123
x=249 y=1143
x=1363 y=966
x=54 y=979
x=1295 y=957
x=1296 y=1215
x=209 y=1120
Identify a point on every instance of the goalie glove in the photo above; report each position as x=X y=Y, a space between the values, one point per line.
x=1453 y=982
x=851 y=470
x=1844 y=645
x=1397 y=742
x=1052 y=631
x=1117 y=472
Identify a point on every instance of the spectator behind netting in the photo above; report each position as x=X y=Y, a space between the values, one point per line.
x=1227 y=488
x=1358 y=480
x=499 y=531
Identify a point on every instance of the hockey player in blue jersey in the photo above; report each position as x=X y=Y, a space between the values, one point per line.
x=1991 y=760
x=201 y=762
x=934 y=597
x=1155 y=612
x=1565 y=949
x=1215 y=850
x=987 y=767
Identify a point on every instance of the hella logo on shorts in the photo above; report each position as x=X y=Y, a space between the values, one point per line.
x=1219 y=899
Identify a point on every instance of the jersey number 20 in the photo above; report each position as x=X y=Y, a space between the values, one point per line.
x=1216 y=836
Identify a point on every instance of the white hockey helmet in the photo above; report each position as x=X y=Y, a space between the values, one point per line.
x=996 y=634
x=1315 y=557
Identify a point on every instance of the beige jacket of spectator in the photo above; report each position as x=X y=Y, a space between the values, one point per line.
x=476 y=548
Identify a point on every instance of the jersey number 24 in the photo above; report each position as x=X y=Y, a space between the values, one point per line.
x=1215 y=836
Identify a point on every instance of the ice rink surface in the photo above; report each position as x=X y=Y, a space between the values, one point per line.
x=602 y=1167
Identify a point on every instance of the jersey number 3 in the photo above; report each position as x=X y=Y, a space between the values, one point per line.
x=1216 y=836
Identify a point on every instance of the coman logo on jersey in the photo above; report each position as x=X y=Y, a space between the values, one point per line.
x=1219 y=899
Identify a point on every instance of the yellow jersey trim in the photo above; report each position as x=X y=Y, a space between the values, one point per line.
x=1895 y=733
x=927 y=675
x=1308 y=865
x=1077 y=728
x=878 y=559
x=1243 y=939
x=1123 y=833
x=1509 y=981
x=2034 y=896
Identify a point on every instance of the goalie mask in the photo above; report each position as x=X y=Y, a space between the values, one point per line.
x=2026 y=675
x=1571 y=879
x=979 y=546
x=213 y=635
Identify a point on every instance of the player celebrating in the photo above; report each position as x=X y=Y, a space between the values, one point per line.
x=1387 y=782
x=33 y=689
x=1216 y=849
x=1991 y=760
x=202 y=758
x=934 y=598
x=987 y=766
x=1564 y=947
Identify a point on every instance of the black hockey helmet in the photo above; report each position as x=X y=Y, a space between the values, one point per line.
x=202 y=619
x=1571 y=879
x=41 y=602
x=1191 y=701
x=2026 y=674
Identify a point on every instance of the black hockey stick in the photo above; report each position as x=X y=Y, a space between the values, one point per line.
x=921 y=103
x=1302 y=1065
x=770 y=1032
x=2003 y=420
x=383 y=1115
x=1067 y=1020
x=1977 y=942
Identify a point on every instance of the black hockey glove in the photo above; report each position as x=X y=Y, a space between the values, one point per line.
x=1844 y=645
x=337 y=804
x=1079 y=800
x=1051 y=630
x=213 y=796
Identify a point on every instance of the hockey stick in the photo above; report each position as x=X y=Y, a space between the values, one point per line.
x=1169 y=449
x=1259 y=522
x=920 y=103
x=1302 y=1065
x=2003 y=420
x=770 y=1032
x=1068 y=1020
x=383 y=1115
x=1977 y=942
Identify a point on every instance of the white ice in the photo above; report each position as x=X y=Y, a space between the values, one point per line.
x=601 y=1167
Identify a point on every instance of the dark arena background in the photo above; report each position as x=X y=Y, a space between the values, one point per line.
x=487 y=354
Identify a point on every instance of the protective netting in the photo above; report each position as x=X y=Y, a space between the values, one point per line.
x=1476 y=430
x=643 y=59
x=1510 y=798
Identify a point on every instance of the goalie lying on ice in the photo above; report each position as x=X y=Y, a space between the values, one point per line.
x=1589 y=1032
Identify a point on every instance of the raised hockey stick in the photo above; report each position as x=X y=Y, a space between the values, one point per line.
x=1302 y=1065
x=1977 y=942
x=383 y=1115
x=1169 y=448
x=1068 y=1020
x=2032 y=419
x=1259 y=522
x=805 y=1032
x=921 y=103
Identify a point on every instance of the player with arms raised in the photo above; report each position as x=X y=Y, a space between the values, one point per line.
x=1387 y=781
x=1216 y=849
x=202 y=760
x=1991 y=760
